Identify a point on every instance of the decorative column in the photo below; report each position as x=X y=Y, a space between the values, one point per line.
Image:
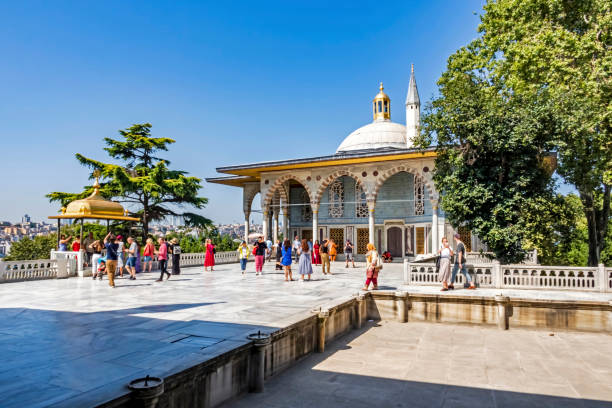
x=275 y=212
x=371 y=208
x=315 y=221
x=247 y=226
x=286 y=222
x=434 y=227
x=264 y=223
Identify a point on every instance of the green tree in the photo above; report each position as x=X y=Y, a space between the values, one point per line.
x=38 y=248
x=557 y=52
x=490 y=152
x=144 y=180
x=557 y=229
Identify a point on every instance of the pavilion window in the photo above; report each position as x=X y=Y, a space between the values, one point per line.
x=336 y=199
x=306 y=209
x=379 y=106
x=361 y=202
x=419 y=195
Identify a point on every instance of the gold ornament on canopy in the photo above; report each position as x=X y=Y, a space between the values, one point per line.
x=95 y=207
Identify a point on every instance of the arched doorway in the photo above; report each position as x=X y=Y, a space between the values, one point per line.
x=394 y=241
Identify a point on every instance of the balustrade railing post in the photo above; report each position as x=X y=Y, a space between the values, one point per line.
x=497 y=274
x=2 y=270
x=406 y=272
x=602 y=279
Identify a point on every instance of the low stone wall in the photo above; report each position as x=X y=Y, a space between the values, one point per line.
x=219 y=379
x=210 y=383
x=498 y=310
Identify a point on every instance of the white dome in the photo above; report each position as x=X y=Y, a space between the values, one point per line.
x=376 y=135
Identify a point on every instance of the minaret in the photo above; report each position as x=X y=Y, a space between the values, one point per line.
x=413 y=113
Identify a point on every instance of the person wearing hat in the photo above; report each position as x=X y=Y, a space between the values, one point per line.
x=460 y=265
x=243 y=255
x=175 y=249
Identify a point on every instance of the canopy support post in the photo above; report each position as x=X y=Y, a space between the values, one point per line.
x=59 y=225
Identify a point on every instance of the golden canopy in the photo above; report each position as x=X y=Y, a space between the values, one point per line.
x=95 y=207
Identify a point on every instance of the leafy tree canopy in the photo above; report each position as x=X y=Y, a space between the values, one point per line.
x=536 y=79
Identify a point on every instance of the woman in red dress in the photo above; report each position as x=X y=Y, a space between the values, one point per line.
x=209 y=258
x=316 y=256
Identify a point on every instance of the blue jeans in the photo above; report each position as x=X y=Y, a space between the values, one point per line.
x=243 y=263
x=464 y=271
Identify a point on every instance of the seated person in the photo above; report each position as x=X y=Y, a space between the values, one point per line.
x=101 y=269
x=387 y=256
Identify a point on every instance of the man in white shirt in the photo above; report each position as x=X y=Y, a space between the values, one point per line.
x=296 y=247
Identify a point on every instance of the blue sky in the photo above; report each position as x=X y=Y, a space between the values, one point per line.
x=232 y=82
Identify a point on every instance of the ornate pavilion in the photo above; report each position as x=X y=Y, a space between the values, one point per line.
x=375 y=188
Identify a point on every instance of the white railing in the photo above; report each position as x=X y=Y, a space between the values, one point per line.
x=495 y=275
x=15 y=271
x=75 y=260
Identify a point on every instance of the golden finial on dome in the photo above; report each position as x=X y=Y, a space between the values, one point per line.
x=96 y=173
x=381 y=105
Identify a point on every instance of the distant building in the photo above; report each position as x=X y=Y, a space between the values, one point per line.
x=25 y=219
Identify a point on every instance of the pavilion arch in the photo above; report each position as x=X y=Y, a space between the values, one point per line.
x=250 y=191
x=333 y=176
x=398 y=169
x=279 y=185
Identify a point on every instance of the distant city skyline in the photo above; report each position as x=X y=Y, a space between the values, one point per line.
x=232 y=83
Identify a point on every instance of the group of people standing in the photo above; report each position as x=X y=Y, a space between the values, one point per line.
x=111 y=256
x=306 y=254
x=443 y=264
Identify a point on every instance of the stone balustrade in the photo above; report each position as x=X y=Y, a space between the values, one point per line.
x=520 y=276
x=14 y=271
x=65 y=264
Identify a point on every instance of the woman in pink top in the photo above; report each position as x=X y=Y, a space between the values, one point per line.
x=209 y=259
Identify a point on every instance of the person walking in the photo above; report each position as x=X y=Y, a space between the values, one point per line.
x=316 y=256
x=96 y=250
x=269 y=246
x=209 y=258
x=373 y=266
x=149 y=251
x=348 y=251
x=243 y=255
x=131 y=257
x=175 y=249
x=444 y=272
x=333 y=250
x=305 y=266
x=286 y=261
x=296 y=247
x=162 y=258
x=460 y=265
x=260 y=252
x=112 y=253
x=87 y=241
x=279 y=255
x=324 y=251
x=63 y=244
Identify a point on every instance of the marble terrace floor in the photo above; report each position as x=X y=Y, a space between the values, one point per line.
x=78 y=342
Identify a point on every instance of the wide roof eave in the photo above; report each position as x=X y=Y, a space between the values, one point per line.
x=357 y=157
